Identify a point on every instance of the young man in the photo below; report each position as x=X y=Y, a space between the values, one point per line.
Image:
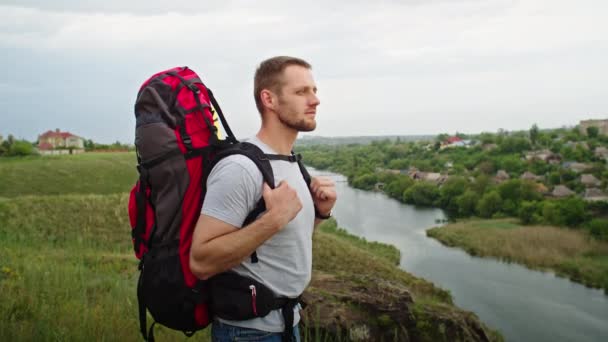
x=285 y=95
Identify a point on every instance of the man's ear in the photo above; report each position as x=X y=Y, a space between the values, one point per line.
x=268 y=99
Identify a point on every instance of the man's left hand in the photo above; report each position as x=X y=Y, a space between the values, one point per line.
x=323 y=190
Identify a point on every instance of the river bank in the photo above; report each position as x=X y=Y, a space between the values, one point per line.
x=569 y=253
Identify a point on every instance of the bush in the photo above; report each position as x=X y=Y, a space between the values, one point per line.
x=528 y=212
x=21 y=148
x=565 y=212
x=421 y=193
x=599 y=229
x=365 y=181
x=489 y=204
x=467 y=203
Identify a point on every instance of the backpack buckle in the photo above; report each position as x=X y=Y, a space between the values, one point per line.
x=194 y=88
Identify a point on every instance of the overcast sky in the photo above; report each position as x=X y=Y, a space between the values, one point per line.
x=382 y=67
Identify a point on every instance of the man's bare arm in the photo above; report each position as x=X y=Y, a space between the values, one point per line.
x=218 y=246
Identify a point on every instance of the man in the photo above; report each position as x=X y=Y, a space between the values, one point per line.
x=285 y=95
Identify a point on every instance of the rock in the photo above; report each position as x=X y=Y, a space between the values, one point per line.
x=368 y=309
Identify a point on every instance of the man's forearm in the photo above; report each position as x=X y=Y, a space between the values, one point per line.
x=226 y=251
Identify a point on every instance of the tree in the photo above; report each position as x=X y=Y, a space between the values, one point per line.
x=20 y=148
x=452 y=188
x=467 y=203
x=489 y=204
x=599 y=229
x=593 y=131
x=421 y=193
x=534 y=134
x=528 y=212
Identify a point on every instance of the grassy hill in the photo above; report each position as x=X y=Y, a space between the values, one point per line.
x=87 y=173
x=67 y=270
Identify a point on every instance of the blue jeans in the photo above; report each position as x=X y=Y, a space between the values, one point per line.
x=221 y=332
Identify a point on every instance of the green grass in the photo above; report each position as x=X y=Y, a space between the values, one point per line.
x=67 y=269
x=389 y=252
x=87 y=173
x=570 y=253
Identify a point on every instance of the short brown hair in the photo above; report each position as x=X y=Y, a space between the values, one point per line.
x=268 y=75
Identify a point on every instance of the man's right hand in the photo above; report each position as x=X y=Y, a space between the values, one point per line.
x=282 y=203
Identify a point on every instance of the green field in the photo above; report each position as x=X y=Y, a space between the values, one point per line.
x=569 y=252
x=68 y=273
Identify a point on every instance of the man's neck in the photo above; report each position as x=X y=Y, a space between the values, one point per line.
x=280 y=141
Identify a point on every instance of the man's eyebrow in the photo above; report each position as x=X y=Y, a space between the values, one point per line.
x=306 y=87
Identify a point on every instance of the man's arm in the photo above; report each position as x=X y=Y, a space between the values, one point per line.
x=218 y=246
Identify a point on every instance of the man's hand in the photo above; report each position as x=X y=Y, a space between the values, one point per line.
x=323 y=190
x=282 y=203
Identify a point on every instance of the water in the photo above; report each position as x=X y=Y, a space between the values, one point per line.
x=524 y=305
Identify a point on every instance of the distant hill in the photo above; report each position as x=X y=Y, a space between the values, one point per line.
x=319 y=140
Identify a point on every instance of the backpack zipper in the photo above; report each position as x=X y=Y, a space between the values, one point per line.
x=253 y=301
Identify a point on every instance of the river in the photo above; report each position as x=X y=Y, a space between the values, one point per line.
x=524 y=305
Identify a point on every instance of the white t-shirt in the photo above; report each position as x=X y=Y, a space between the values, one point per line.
x=234 y=188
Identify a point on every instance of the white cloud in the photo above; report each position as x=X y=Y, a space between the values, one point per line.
x=413 y=64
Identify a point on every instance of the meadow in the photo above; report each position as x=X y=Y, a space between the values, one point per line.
x=68 y=272
x=568 y=252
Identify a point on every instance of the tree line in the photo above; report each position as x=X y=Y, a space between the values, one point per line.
x=471 y=188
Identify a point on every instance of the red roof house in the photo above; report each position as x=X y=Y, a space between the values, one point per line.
x=51 y=140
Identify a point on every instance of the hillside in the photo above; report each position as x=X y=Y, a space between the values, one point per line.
x=67 y=270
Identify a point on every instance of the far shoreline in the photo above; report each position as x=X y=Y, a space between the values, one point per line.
x=569 y=253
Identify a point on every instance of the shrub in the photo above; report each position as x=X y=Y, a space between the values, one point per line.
x=421 y=193
x=528 y=212
x=599 y=229
x=489 y=204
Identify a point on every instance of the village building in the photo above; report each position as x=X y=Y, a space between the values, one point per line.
x=589 y=181
x=543 y=155
x=455 y=142
x=576 y=167
x=561 y=191
x=595 y=194
x=530 y=176
x=433 y=177
x=602 y=126
x=57 y=142
x=501 y=176
x=601 y=152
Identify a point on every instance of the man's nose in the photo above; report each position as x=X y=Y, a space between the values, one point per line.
x=315 y=100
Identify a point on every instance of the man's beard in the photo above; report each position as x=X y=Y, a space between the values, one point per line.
x=301 y=125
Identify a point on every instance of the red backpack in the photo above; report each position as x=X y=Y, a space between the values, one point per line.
x=177 y=146
x=176 y=139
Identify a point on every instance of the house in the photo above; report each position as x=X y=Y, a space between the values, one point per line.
x=600 y=152
x=602 y=126
x=455 y=142
x=432 y=177
x=501 y=176
x=562 y=191
x=543 y=155
x=530 y=176
x=590 y=181
x=57 y=142
x=594 y=194
x=576 y=167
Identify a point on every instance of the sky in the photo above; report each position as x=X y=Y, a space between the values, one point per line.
x=382 y=67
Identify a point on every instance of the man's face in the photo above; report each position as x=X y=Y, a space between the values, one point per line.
x=297 y=99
